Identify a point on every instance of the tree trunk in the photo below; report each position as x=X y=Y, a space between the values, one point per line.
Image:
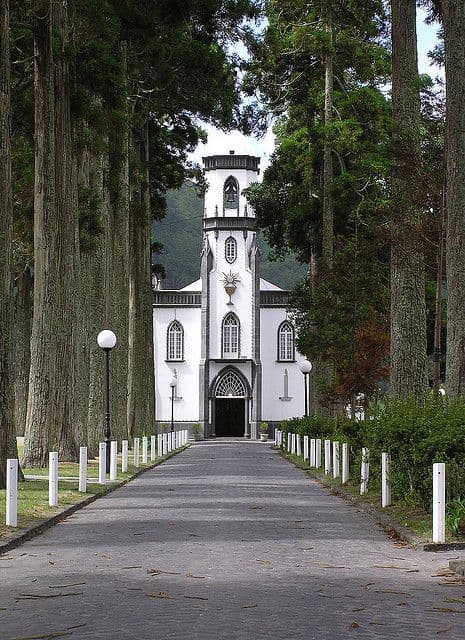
x=23 y=320
x=6 y=222
x=438 y=304
x=50 y=414
x=141 y=391
x=118 y=268
x=408 y=305
x=328 y=214
x=454 y=25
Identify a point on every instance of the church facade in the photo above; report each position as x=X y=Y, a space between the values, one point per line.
x=225 y=341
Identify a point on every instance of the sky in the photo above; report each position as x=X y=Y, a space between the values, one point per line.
x=220 y=142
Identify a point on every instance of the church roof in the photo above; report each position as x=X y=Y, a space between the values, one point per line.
x=264 y=286
x=193 y=286
x=268 y=286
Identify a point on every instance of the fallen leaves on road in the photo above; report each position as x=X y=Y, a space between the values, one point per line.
x=354 y=624
x=136 y=566
x=263 y=561
x=393 y=566
x=65 y=586
x=249 y=606
x=38 y=596
x=397 y=593
x=53 y=634
x=445 y=630
x=162 y=595
x=190 y=575
x=159 y=572
x=196 y=597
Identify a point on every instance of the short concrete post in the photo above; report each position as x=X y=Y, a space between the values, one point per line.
x=305 y=448
x=82 y=469
x=312 y=452
x=11 y=519
x=293 y=443
x=53 y=479
x=298 y=446
x=144 y=449
x=160 y=444
x=364 y=472
x=318 y=453
x=136 y=446
x=439 y=502
x=153 y=444
x=289 y=438
x=345 y=462
x=165 y=444
x=327 y=457
x=113 y=460
x=385 y=481
x=124 y=456
x=102 y=463
x=336 y=465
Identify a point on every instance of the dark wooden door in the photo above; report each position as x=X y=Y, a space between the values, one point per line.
x=229 y=417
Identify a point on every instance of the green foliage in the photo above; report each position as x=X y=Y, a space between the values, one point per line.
x=455 y=516
x=414 y=435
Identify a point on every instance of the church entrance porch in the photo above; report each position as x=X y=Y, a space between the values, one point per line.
x=229 y=417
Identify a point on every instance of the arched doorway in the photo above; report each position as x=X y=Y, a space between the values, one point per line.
x=230 y=404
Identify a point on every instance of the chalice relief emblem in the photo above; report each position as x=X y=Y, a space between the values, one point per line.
x=230 y=281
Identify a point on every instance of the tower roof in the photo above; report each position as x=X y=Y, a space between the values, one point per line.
x=231 y=161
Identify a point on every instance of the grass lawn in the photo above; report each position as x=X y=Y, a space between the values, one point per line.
x=415 y=519
x=33 y=504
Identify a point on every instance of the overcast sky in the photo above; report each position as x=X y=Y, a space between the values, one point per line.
x=220 y=142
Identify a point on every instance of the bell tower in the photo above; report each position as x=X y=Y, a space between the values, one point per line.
x=230 y=288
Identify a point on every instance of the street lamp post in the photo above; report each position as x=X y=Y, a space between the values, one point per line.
x=173 y=383
x=106 y=340
x=306 y=366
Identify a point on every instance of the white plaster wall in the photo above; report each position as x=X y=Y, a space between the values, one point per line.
x=273 y=372
x=214 y=195
x=187 y=408
x=241 y=298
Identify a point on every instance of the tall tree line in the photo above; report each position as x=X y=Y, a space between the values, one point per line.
x=356 y=187
x=104 y=109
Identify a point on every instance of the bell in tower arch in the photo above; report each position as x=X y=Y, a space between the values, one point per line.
x=231 y=193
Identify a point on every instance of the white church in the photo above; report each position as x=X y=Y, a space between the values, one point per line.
x=225 y=342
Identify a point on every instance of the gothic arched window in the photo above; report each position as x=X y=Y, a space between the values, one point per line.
x=231 y=193
x=286 y=341
x=230 y=250
x=230 y=385
x=231 y=336
x=175 y=341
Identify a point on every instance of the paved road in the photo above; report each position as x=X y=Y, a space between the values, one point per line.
x=225 y=541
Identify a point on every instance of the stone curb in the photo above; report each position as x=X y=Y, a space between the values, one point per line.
x=388 y=524
x=45 y=524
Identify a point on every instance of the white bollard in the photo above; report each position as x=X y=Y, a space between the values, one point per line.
x=160 y=445
x=53 y=479
x=318 y=453
x=113 y=460
x=439 y=502
x=305 y=448
x=136 y=446
x=124 y=456
x=289 y=442
x=327 y=457
x=345 y=462
x=385 y=481
x=364 y=472
x=298 y=445
x=165 y=444
x=82 y=469
x=336 y=466
x=153 y=445
x=312 y=452
x=293 y=443
x=144 y=449
x=11 y=519
x=102 y=463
